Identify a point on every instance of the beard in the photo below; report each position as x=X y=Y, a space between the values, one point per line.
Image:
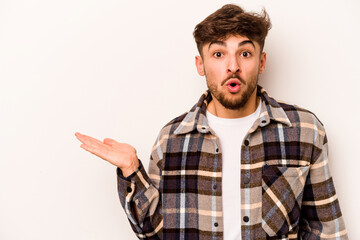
x=238 y=102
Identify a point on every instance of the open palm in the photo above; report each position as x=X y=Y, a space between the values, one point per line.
x=121 y=155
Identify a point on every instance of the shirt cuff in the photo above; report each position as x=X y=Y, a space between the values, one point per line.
x=133 y=185
x=128 y=178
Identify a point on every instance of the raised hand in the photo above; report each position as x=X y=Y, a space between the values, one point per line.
x=121 y=155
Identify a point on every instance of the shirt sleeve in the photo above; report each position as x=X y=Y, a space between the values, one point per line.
x=321 y=217
x=141 y=199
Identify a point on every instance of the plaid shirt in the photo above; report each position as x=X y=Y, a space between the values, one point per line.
x=287 y=191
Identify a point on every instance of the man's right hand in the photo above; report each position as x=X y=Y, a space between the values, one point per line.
x=121 y=155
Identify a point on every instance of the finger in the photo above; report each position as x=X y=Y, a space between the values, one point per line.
x=110 y=142
x=86 y=139
x=101 y=152
x=93 y=145
x=116 y=145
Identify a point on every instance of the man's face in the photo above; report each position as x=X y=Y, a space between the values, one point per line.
x=231 y=68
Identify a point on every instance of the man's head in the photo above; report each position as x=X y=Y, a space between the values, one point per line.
x=230 y=42
x=232 y=20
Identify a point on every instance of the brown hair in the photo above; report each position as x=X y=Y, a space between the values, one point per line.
x=232 y=20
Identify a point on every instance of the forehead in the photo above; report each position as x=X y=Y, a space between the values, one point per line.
x=231 y=41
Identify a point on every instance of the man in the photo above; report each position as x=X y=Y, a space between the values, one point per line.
x=239 y=164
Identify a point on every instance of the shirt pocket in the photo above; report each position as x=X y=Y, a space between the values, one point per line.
x=282 y=191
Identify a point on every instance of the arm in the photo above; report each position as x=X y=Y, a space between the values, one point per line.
x=321 y=217
x=139 y=195
x=141 y=201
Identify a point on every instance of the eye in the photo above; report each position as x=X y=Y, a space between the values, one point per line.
x=245 y=54
x=218 y=54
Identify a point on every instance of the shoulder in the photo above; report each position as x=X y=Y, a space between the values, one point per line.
x=300 y=115
x=305 y=123
x=172 y=125
x=296 y=115
x=306 y=129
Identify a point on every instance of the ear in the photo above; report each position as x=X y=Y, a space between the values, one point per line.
x=199 y=65
x=262 y=62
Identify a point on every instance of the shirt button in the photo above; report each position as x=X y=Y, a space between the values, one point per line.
x=216 y=224
x=128 y=189
x=214 y=186
x=246 y=180
x=246 y=142
x=217 y=150
x=246 y=219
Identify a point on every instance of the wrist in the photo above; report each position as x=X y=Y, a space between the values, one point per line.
x=127 y=171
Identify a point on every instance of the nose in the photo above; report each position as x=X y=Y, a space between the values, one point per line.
x=233 y=65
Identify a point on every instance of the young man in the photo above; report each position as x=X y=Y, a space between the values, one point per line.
x=239 y=164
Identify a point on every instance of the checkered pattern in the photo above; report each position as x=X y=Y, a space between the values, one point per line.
x=286 y=188
x=282 y=196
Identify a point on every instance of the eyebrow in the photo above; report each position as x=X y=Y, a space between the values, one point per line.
x=222 y=43
x=218 y=43
x=247 y=42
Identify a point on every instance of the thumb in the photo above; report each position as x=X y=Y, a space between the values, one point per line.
x=109 y=141
x=119 y=146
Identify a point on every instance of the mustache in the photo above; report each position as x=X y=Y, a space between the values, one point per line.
x=234 y=75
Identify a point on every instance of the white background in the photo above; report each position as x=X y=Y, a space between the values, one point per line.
x=122 y=69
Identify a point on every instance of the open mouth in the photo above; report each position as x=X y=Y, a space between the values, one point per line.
x=233 y=85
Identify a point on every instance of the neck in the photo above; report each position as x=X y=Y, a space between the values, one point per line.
x=217 y=109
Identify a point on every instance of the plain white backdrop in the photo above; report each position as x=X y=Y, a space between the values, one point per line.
x=122 y=69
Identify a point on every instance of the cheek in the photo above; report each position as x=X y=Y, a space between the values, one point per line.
x=251 y=68
x=213 y=70
x=213 y=76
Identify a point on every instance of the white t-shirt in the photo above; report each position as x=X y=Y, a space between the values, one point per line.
x=231 y=132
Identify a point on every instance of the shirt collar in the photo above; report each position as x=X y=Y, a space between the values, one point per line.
x=196 y=117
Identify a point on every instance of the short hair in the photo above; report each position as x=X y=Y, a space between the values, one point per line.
x=232 y=20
